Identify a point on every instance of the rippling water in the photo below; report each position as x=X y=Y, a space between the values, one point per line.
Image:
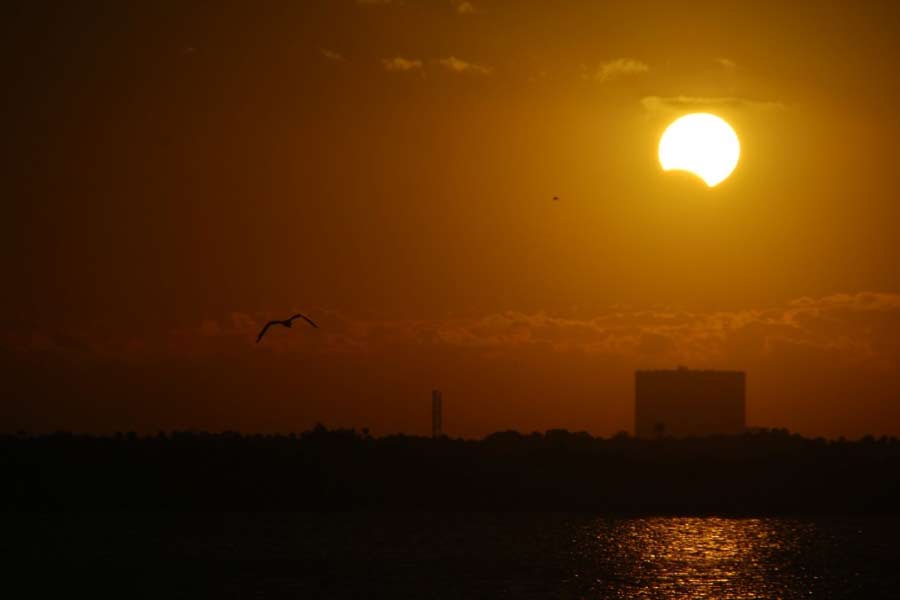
x=460 y=555
x=735 y=558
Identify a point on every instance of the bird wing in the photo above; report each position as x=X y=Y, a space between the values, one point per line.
x=264 y=330
x=305 y=318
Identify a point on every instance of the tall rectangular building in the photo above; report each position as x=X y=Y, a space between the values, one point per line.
x=683 y=402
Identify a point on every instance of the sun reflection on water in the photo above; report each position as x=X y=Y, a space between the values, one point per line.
x=689 y=558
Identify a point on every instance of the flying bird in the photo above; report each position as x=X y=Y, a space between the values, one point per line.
x=286 y=323
x=556 y=197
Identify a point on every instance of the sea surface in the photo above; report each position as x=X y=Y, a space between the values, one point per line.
x=453 y=555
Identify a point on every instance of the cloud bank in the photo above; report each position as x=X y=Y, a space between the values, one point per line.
x=458 y=65
x=332 y=55
x=676 y=103
x=825 y=366
x=401 y=64
x=617 y=68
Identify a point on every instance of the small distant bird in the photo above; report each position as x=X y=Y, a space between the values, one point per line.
x=286 y=323
x=556 y=197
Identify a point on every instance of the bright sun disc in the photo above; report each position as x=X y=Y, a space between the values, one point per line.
x=702 y=144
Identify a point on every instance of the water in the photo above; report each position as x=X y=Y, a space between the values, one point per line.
x=735 y=558
x=459 y=555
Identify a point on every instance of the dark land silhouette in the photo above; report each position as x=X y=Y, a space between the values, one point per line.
x=769 y=472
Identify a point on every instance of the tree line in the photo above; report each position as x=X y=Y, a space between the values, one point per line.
x=758 y=473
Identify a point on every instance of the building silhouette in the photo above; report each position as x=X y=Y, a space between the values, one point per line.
x=437 y=414
x=683 y=402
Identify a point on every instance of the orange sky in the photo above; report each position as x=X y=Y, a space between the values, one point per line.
x=178 y=175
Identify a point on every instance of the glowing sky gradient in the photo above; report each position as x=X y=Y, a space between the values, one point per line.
x=178 y=174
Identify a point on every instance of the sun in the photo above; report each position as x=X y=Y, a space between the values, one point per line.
x=702 y=144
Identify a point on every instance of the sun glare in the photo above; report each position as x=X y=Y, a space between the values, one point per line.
x=702 y=144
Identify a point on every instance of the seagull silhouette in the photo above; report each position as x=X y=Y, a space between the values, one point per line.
x=286 y=323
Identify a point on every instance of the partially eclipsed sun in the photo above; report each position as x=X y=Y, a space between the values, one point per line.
x=702 y=144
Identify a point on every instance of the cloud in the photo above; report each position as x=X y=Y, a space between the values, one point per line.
x=617 y=68
x=676 y=103
x=332 y=55
x=861 y=327
x=726 y=63
x=400 y=64
x=464 y=8
x=460 y=66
